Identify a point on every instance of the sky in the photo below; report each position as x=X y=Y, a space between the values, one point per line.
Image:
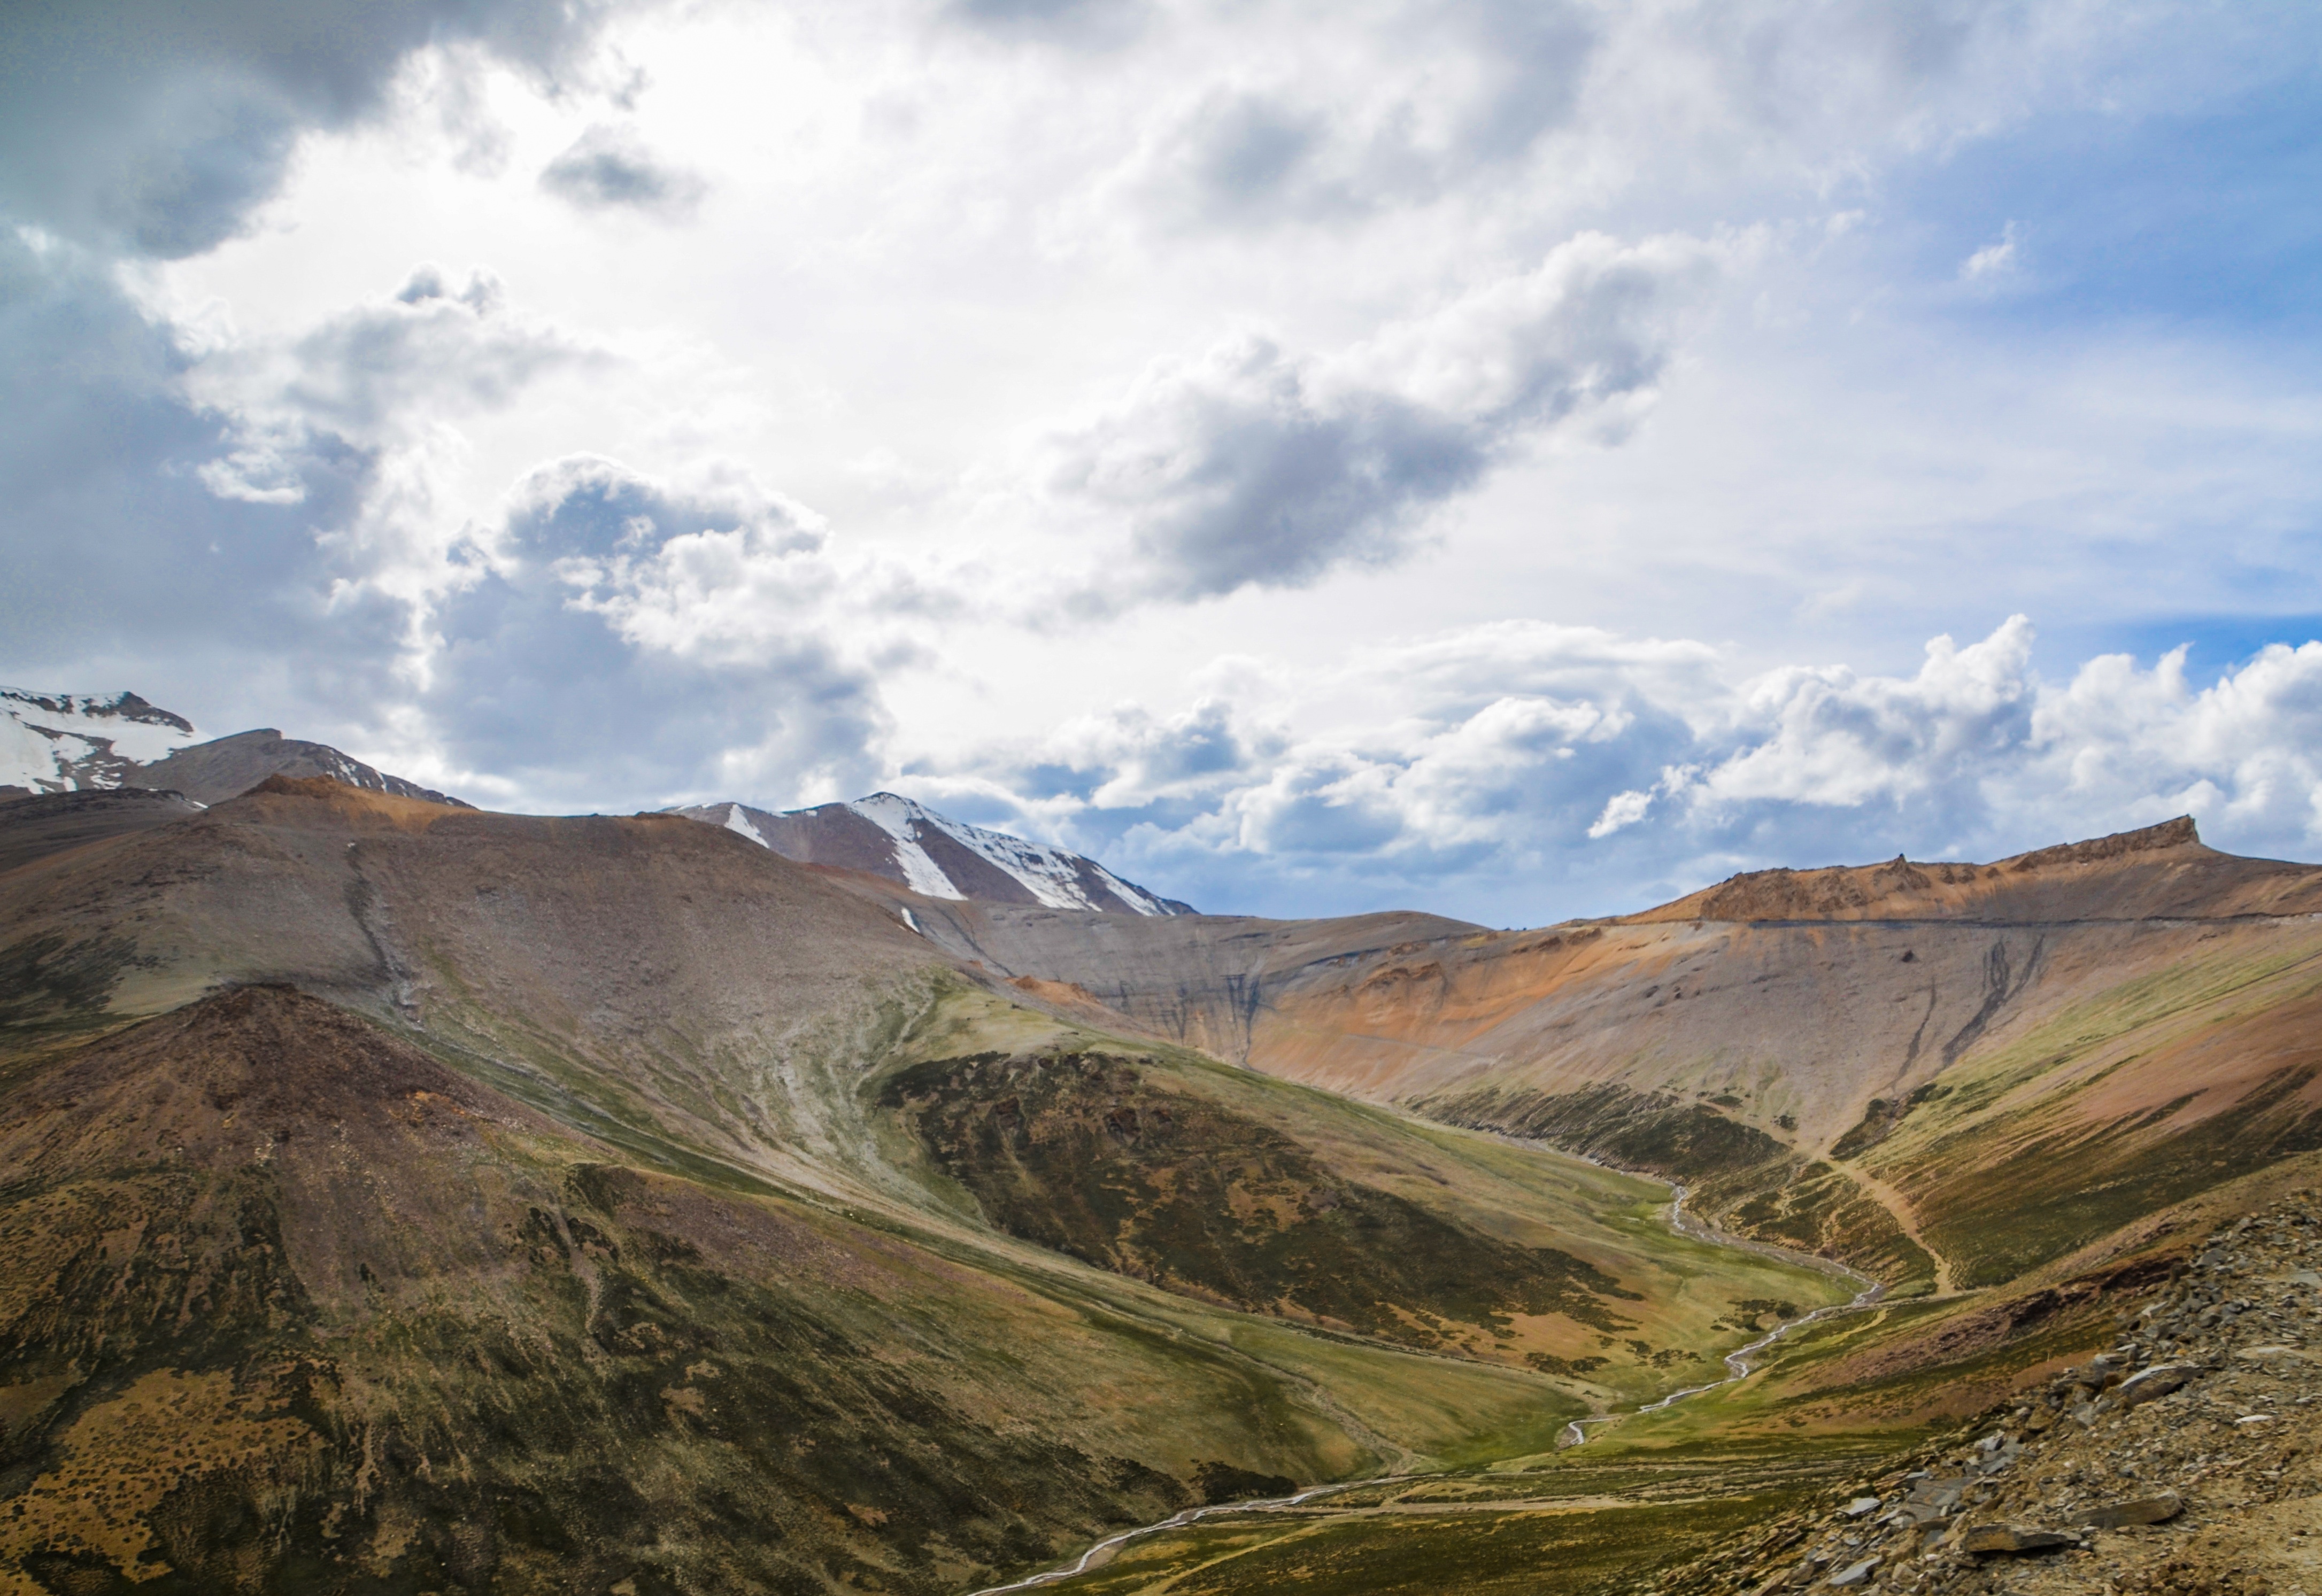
x=1519 y=458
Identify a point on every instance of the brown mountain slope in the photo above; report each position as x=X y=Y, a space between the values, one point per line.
x=34 y=827
x=642 y=1205
x=1918 y=1066
x=639 y=953
x=287 y=1303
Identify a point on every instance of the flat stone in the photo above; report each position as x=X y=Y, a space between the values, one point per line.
x=2012 y=1537
x=2158 y=1381
x=1859 y=1506
x=2143 y=1510
x=1856 y=1574
x=1939 y=1494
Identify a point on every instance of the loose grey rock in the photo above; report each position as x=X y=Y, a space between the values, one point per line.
x=2158 y=1381
x=1856 y=1574
x=2012 y=1537
x=2143 y=1510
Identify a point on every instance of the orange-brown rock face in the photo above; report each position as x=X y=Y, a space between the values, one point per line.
x=1876 y=1061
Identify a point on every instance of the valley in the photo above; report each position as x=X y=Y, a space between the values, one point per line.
x=400 y=1196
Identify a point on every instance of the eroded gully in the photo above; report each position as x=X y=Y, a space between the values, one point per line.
x=1737 y=1363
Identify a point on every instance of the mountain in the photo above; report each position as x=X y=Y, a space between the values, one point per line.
x=396 y=1196
x=58 y=742
x=935 y=856
x=1949 y=1074
x=401 y=1197
x=66 y=743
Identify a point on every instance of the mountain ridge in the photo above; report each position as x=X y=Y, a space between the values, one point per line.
x=1078 y=1217
x=903 y=841
x=54 y=742
x=1863 y=1059
x=67 y=743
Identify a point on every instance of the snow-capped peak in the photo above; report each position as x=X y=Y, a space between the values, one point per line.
x=65 y=742
x=737 y=818
x=902 y=820
x=935 y=856
x=1052 y=876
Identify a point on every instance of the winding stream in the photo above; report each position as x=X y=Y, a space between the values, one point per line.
x=1737 y=1363
x=1102 y=1551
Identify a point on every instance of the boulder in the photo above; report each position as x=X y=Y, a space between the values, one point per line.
x=2012 y=1537
x=2158 y=1381
x=2143 y=1510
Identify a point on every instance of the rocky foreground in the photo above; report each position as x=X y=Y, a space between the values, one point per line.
x=2182 y=1463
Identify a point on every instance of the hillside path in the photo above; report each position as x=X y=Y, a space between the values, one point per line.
x=1905 y=1215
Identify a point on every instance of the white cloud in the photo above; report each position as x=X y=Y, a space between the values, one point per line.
x=1623 y=808
x=1995 y=261
x=609 y=168
x=1828 y=736
x=1633 y=769
x=1481 y=237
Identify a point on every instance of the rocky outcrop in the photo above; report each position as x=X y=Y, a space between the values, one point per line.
x=2181 y=1462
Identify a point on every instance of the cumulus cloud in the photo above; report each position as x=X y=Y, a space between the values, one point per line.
x=629 y=634
x=608 y=167
x=1520 y=772
x=430 y=350
x=1994 y=261
x=1252 y=467
x=157 y=128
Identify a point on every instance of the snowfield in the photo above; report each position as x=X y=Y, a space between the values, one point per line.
x=67 y=741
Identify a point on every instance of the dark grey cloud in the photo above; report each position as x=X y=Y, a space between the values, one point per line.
x=541 y=677
x=608 y=167
x=431 y=346
x=1082 y=24
x=1464 y=89
x=156 y=126
x=112 y=541
x=1240 y=472
x=1252 y=468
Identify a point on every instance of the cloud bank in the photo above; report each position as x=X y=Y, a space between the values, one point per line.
x=1627 y=364
x=1527 y=772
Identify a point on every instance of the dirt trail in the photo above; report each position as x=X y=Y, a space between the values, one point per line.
x=1905 y=1215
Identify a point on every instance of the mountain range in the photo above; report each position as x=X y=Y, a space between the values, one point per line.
x=400 y=1196
x=68 y=742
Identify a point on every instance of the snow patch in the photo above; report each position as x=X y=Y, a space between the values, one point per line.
x=67 y=742
x=897 y=816
x=1052 y=876
x=738 y=820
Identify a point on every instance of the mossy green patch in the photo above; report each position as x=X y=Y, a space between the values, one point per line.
x=1082 y=1152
